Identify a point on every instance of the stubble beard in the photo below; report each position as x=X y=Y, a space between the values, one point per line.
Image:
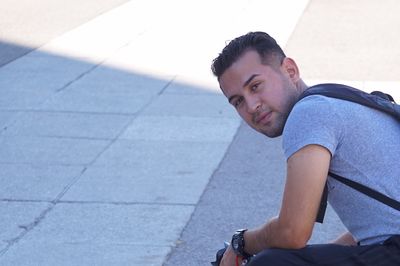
x=275 y=129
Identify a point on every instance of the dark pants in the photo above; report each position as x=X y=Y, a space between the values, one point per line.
x=384 y=254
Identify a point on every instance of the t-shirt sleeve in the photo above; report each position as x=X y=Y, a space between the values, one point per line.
x=313 y=120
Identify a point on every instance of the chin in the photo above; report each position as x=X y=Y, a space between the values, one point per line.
x=271 y=132
x=271 y=135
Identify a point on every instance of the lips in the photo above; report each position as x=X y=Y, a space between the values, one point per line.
x=262 y=118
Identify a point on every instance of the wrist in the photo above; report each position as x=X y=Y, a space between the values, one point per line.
x=238 y=243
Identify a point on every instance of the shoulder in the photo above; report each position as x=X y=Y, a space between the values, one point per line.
x=317 y=120
x=318 y=104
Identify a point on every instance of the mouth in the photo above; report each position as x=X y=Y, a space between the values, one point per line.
x=262 y=118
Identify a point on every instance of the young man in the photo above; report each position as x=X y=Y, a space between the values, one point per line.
x=320 y=134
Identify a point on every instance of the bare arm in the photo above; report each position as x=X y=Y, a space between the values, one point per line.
x=307 y=171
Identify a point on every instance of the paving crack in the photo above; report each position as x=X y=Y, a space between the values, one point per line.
x=26 y=229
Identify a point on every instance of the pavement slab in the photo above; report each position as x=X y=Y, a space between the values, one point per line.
x=50 y=151
x=199 y=105
x=68 y=124
x=41 y=71
x=36 y=182
x=14 y=100
x=97 y=92
x=165 y=155
x=56 y=17
x=92 y=102
x=101 y=234
x=76 y=254
x=181 y=85
x=135 y=185
x=175 y=128
x=357 y=41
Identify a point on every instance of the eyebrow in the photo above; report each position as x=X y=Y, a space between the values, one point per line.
x=247 y=82
x=250 y=79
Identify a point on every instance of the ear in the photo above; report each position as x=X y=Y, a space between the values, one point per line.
x=290 y=67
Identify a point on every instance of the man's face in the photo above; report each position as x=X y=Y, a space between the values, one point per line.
x=262 y=95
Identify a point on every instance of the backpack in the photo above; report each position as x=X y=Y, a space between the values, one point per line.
x=376 y=100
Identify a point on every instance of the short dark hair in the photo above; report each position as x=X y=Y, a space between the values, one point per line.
x=261 y=42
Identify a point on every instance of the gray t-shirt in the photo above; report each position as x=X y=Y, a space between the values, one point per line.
x=365 y=147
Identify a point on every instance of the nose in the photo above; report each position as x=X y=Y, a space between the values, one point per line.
x=253 y=104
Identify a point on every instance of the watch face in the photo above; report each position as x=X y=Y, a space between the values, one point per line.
x=235 y=243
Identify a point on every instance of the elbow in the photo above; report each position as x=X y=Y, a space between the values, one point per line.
x=296 y=243
x=296 y=240
x=287 y=235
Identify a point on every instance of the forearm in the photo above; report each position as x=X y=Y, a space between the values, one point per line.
x=270 y=235
x=256 y=239
x=345 y=239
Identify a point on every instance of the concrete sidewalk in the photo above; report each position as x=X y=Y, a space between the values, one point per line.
x=111 y=131
x=117 y=147
x=352 y=42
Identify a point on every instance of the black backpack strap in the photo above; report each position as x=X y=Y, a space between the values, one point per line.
x=323 y=205
x=383 y=95
x=367 y=191
x=360 y=188
x=377 y=100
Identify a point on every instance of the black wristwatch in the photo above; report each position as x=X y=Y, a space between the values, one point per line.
x=237 y=243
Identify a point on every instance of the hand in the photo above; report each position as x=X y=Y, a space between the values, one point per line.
x=229 y=258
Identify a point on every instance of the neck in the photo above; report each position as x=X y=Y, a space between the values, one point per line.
x=301 y=86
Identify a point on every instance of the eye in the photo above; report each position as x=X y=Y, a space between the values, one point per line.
x=255 y=86
x=237 y=102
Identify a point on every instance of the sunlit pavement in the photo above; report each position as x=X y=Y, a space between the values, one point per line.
x=117 y=147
